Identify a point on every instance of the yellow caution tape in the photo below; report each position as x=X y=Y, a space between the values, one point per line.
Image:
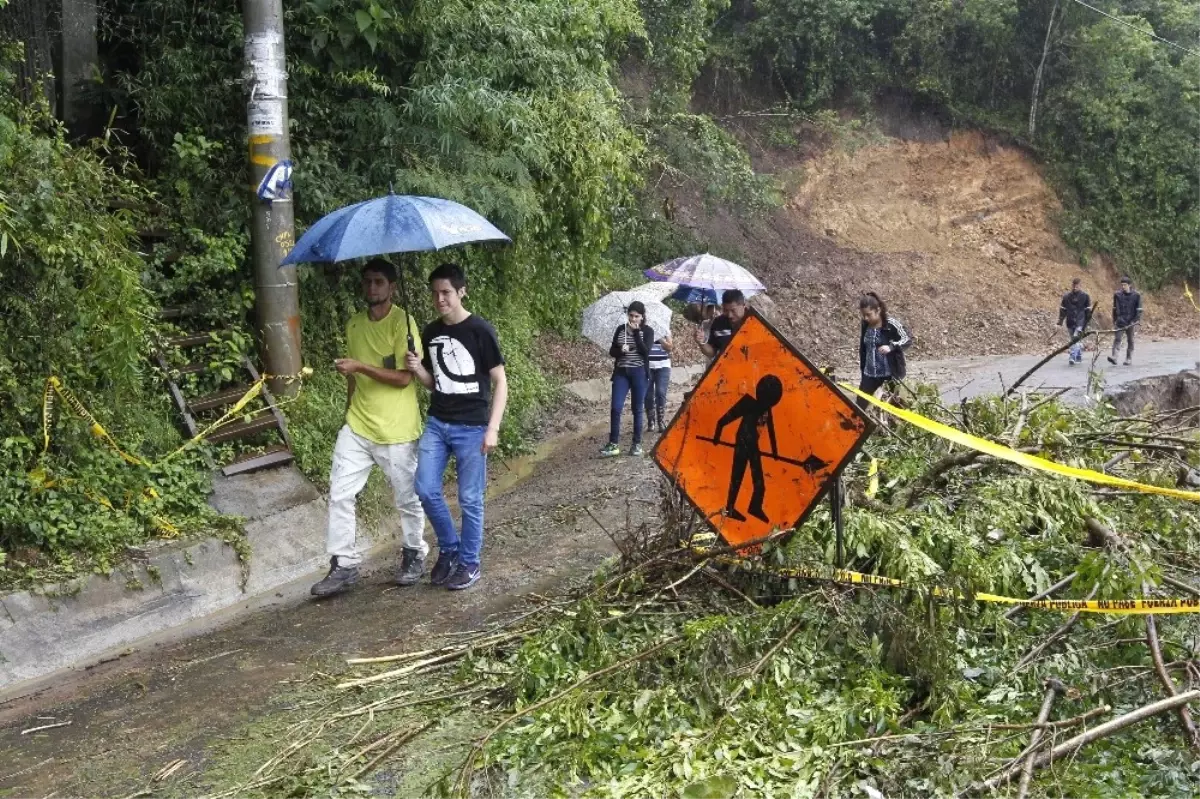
x=54 y=386
x=844 y=577
x=1187 y=292
x=873 y=478
x=250 y=394
x=1020 y=458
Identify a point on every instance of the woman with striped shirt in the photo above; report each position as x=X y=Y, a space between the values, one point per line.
x=631 y=374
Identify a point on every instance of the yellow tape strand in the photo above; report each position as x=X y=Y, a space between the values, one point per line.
x=1187 y=292
x=873 y=478
x=1020 y=458
x=55 y=388
x=1126 y=607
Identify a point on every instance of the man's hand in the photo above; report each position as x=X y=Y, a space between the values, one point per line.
x=884 y=349
x=347 y=366
x=491 y=440
x=412 y=362
x=699 y=335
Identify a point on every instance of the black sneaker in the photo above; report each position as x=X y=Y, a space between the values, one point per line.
x=412 y=567
x=1112 y=360
x=338 y=580
x=464 y=577
x=443 y=568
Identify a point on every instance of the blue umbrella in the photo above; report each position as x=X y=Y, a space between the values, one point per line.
x=395 y=223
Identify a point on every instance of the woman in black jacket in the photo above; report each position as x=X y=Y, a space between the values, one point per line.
x=881 y=345
x=631 y=374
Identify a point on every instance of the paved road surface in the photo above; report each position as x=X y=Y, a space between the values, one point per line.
x=970 y=377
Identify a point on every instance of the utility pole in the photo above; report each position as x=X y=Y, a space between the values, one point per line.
x=277 y=298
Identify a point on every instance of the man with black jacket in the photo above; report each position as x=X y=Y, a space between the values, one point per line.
x=1127 y=312
x=1074 y=311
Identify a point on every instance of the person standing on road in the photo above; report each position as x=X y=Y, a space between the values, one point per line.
x=660 y=381
x=464 y=371
x=1074 y=312
x=1127 y=312
x=382 y=426
x=881 y=344
x=733 y=313
x=631 y=346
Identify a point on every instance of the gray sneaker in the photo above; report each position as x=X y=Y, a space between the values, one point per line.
x=412 y=568
x=338 y=580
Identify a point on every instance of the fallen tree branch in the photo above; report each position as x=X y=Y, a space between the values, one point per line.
x=1074 y=721
x=1071 y=343
x=464 y=777
x=1061 y=584
x=1054 y=636
x=1104 y=730
x=1180 y=584
x=1160 y=668
x=1054 y=687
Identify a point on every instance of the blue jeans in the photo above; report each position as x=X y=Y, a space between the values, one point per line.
x=465 y=443
x=656 y=393
x=1076 y=351
x=623 y=382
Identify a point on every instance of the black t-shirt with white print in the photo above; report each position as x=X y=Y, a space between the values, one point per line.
x=460 y=357
x=720 y=333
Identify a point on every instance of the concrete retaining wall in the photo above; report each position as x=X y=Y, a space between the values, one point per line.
x=73 y=624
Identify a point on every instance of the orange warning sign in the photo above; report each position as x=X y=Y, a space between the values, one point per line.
x=761 y=411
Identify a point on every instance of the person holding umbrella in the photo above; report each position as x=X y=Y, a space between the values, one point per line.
x=631 y=344
x=382 y=426
x=405 y=223
x=720 y=332
x=464 y=369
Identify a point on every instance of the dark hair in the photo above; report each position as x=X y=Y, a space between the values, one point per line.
x=381 y=267
x=731 y=296
x=452 y=272
x=637 y=306
x=870 y=299
x=1075 y=281
x=1127 y=279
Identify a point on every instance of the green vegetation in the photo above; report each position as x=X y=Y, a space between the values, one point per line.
x=525 y=110
x=659 y=679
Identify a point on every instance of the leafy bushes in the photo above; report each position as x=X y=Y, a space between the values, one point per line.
x=1118 y=111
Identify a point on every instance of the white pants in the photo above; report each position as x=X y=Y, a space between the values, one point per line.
x=353 y=457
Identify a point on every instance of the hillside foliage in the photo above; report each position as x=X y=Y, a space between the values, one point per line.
x=521 y=109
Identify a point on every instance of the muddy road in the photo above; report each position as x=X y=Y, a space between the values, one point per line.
x=130 y=717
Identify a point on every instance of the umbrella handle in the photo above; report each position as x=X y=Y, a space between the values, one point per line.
x=412 y=347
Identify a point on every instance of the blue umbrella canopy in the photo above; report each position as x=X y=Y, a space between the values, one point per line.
x=395 y=223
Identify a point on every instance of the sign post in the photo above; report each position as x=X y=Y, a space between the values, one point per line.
x=761 y=411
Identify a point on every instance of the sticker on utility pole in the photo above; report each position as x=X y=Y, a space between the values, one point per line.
x=266 y=83
x=277 y=183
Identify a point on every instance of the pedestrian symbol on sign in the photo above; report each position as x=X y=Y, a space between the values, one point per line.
x=793 y=431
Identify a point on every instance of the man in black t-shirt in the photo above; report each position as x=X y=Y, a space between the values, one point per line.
x=464 y=370
x=733 y=313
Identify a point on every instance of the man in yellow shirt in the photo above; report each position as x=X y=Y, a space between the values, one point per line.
x=383 y=427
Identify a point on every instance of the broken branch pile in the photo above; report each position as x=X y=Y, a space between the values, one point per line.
x=665 y=675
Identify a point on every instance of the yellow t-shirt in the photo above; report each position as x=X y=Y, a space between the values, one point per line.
x=379 y=412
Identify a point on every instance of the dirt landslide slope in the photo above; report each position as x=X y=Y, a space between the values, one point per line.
x=957 y=234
